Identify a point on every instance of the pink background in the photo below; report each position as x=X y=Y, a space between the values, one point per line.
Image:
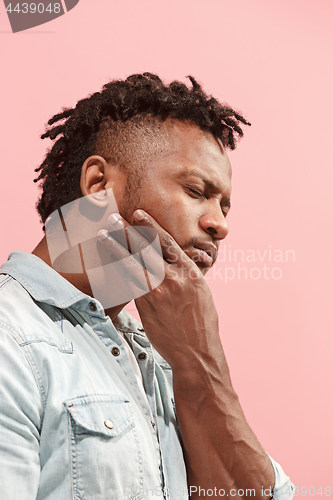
x=273 y=61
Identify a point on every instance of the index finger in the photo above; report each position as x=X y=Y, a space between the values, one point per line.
x=137 y=239
x=170 y=248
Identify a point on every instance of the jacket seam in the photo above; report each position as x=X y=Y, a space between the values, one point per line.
x=6 y=281
x=23 y=283
x=37 y=376
x=31 y=362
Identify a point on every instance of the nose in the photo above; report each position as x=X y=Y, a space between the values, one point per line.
x=215 y=225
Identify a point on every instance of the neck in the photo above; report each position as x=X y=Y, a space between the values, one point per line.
x=79 y=280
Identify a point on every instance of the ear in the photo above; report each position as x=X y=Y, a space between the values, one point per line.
x=94 y=177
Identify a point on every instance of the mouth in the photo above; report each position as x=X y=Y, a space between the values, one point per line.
x=204 y=254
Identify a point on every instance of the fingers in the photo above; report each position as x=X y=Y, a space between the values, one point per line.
x=125 y=265
x=140 y=255
x=145 y=251
x=142 y=242
x=170 y=248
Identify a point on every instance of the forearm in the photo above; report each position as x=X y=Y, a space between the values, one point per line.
x=181 y=322
x=220 y=449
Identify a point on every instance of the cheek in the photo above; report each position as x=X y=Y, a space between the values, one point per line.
x=173 y=211
x=178 y=221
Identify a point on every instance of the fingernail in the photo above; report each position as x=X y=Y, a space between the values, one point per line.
x=115 y=221
x=139 y=215
x=102 y=234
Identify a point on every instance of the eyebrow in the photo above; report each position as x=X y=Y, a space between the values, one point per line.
x=210 y=185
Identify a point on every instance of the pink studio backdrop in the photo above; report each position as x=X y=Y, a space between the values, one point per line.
x=272 y=60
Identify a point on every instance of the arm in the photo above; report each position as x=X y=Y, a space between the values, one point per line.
x=179 y=316
x=220 y=449
x=20 y=408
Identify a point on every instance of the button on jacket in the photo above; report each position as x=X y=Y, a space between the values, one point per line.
x=74 y=423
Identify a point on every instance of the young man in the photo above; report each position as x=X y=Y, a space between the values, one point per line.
x=94 y=405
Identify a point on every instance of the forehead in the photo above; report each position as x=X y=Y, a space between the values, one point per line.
x=194 y=151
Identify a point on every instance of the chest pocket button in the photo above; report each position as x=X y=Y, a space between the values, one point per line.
x=108 y=424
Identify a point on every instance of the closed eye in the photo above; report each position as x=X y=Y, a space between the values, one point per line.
x=199 y=194
x=196 y=193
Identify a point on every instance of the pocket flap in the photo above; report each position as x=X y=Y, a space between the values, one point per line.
x=104 y=414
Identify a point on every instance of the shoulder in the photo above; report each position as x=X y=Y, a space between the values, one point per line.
x=25 y=319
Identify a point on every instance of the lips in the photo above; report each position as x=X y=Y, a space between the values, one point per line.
x=204 y=253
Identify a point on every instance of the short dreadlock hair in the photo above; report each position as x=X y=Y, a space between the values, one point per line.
x=122 y=107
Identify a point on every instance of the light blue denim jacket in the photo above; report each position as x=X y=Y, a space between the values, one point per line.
x=73 y=422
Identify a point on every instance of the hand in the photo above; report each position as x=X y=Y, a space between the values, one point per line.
x=178 y=314
x=181 y=322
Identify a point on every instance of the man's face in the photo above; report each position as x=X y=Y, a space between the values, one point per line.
x=187 y=192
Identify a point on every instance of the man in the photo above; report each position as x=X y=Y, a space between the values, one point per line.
x=93 y=406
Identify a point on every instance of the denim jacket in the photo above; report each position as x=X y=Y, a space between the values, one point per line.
x=73 y=422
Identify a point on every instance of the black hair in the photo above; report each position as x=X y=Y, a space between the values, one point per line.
x=141 y=95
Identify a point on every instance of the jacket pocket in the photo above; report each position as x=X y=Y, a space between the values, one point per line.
x=106 y=456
